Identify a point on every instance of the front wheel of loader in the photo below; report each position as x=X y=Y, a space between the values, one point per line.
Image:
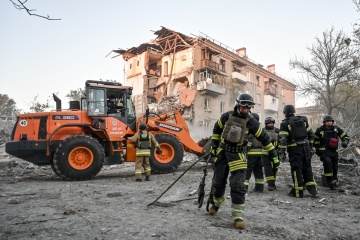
x=172 y=154
x=78 y=158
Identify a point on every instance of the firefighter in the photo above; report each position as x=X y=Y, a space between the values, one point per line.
x=326 y=142
x=144 y=141
x=254 y=163
x=296 y=136
x=229 y=145
x=269 y=169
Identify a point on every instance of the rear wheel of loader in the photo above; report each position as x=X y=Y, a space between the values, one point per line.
x=78 y=158
x=172 y=154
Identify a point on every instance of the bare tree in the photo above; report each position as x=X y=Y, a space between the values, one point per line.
x=75 y=95
x=36 y=106
x=331 y=72
x=20 y=5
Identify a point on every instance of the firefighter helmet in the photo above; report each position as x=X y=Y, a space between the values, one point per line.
x=142 y=126
x=289 y=109
x=245 y=100
x=256 y=116
x=328 y=118
x=269 y=120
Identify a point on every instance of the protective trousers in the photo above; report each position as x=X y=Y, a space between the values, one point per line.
x=140 y=162
x=301 y=170
x=235 y=163
x=255 y=165
x=269 y=170
x=331 y=165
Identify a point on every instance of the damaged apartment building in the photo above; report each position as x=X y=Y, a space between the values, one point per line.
x=201 y=78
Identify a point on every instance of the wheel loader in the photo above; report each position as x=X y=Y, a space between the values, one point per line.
x=78 y=141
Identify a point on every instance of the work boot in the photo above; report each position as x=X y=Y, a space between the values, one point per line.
x=213 y=210
x=259 y=188
x=147 y=178
x=239 y=224
x=292 y=193
x=271 y=185
x=332 y=185
x=138 y=180
x=312 y=190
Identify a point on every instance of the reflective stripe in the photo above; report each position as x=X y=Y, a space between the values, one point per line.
x=237 y=165
x=328 y=174
x=270 y=178
x=215 y=136
x=259 y=181
x=311 y=184
x=148 y=169
x=219 y=201
x=283 y=133
x=258 y=132
x=269 y=147
x=220 y=124
x=137 y=171
x=237 y=211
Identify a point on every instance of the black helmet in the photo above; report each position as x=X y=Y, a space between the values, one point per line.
x=269 y=120
x=245 y=100
x=328 y=118
x=142 y=126
x=289 y=109
x=256 y=116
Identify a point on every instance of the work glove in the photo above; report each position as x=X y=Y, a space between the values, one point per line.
x=276 y=162
x=344 y=144
x=213 y=150
x=282 y=155
x=158 y=151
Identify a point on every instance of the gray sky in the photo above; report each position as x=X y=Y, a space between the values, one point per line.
x=42 y=57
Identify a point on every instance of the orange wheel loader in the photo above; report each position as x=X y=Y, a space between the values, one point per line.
x=78 y=141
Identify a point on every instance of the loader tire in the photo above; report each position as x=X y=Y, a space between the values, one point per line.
x=172 y=154
x=78 y=158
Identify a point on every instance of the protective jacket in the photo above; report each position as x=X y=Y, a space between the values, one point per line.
x=297 y=137
x=144 y=141
x=326 y=139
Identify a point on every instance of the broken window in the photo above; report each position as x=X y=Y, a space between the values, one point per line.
x=257 y=80
x=130 y=66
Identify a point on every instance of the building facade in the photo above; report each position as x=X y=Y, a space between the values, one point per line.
x=202 y=77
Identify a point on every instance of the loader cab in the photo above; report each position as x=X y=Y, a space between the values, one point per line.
x=98 y=94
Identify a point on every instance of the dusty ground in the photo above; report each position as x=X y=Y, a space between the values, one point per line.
x=36 y=204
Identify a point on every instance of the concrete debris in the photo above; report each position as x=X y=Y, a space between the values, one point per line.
x=13 y=201
x=114 y=194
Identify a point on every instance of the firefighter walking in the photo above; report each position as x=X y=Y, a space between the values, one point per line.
x=296 y=136
x=229 y=145
x=269 y=169
x=254 y=163
x=326 y=141
x=144 y=141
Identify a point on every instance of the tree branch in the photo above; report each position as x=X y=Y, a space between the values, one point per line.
x=21 y=6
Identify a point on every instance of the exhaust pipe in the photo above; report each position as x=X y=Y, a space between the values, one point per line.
x=58 y=102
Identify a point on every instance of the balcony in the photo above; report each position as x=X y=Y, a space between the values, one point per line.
x=271 y=91
x=271 y=104
x=210 y=88
x=241 y=78
x=210 y=64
